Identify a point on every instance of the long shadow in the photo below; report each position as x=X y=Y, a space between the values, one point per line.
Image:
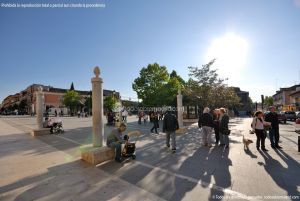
x=286 y=178
x=249 y=152
x=71 y=181
x=222 y=176
x=199 y=168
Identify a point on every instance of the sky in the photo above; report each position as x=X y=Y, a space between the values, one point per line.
x=256 y=43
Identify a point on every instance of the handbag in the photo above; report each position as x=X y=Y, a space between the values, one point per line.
x=226 y=131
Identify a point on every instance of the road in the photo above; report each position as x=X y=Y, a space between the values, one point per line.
x=193 y=173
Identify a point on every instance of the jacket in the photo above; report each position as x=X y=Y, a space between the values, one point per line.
x=170 y=123
x=206 y=119
x=224 y=123
x=114 y=136
x=272 y=117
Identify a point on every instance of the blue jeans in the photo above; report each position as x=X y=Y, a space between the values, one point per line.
x=224 y=139
x=274 y=137
x=173 y=136
x=117 y=147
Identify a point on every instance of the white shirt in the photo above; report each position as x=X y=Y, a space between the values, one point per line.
x=124 y=113
x=259 y=124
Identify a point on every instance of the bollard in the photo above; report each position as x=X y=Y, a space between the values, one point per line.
x=298 y=143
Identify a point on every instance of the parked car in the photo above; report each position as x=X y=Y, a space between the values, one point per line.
x=281 y=117
x=297 y=114
x=290 y=115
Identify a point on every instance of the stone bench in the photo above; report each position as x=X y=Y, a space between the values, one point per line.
x=40 y=132
x=97 y=155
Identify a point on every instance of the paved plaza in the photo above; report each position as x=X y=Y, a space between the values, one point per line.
x=49 y=167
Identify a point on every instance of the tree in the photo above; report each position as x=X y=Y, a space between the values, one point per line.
x=205 y=88
x=151 y=80
x=72 y=87
x=23 y=105
x=109 y=103
x=71 y=100
x=269 y=101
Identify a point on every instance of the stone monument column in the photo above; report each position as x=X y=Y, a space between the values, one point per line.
x=179 y=109
x=97 y=109
x=39 y=107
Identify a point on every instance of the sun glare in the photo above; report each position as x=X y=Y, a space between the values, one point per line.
x=230 y=52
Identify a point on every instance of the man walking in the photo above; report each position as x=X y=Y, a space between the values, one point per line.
x=170 y=125
x=272 y=117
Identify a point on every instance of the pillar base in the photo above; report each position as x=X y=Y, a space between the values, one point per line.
x=40 y=132
x=181 y=131
x=96 y=155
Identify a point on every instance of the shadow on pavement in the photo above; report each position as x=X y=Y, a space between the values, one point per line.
x=286 y=178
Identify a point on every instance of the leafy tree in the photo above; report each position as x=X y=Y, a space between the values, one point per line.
x=205 y=88
x=23 y=105
x=71 y=100
x=15 y=107
x=269 y=101
x=109 y=103
x=179 y=79
x=151 y=81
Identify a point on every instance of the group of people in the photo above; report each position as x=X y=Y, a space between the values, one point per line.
x=261 y=125
x=170 y=125
x=218 y=121
x=112 y=118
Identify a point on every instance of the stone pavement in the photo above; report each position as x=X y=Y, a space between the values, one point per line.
x=33 y=170
x=49 y=168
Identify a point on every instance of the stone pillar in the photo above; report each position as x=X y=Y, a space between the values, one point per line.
x=179 y=109
x=39 y=107
x=97 y=109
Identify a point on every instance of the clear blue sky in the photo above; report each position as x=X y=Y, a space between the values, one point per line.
x=59 y=46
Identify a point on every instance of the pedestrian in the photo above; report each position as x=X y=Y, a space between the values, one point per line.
x=224 y=128
x=140 y=115
x=55 y=113
x=115 y=139
x=110 y=118
x=216 y=118
x=124 y=115
x=170 y=125
x=155 y=122
x=258 y=124
x=161 y=116
x=145 y=118
x=78 y=114
x=272 y=117
x=206 y=123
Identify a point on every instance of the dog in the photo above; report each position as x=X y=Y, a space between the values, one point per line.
x=246 y=142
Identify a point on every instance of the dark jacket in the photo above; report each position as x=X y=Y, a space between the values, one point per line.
x=224 y=123
x=206 y=119
x=272 y=117
x=170 y=123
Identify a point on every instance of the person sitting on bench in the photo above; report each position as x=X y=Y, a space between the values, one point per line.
x=115 y=139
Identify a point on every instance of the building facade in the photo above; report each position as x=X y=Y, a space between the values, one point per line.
x=245 y=104
x=53 y=97
x=286 y=98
